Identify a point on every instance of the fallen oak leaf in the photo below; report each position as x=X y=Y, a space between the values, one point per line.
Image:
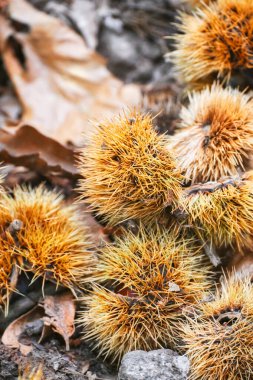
x=61 y=83
x=13 y=332
x=60 y=315
x=26 y=146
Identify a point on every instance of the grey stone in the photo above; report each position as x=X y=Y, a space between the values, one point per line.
x=153 y=365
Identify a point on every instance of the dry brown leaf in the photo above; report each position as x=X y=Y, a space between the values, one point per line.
x=15 y=329
x=60 y=315
x=56 y=312
x=61 y=83
x=26 y=146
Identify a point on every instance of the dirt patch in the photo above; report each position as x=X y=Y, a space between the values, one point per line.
x=79 y=363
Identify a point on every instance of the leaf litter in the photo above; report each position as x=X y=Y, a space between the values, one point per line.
x=52 y=84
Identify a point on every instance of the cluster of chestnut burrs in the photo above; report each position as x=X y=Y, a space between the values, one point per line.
x=179 y=210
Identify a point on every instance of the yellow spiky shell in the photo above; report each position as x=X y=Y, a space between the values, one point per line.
x=218 y=337
x=127 y=171
x=215 y=42
x=142 y=284
x=215 y=138
x=221 y=212
x=52 y=243
x=8 y=263
x=8 y=272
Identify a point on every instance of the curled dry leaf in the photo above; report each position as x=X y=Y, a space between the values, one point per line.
x=26 y=146
x=56 y=313
x=14 y=331
x=60 y=82
x=60 y=315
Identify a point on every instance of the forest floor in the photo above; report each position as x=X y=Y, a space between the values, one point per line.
x=129 y=34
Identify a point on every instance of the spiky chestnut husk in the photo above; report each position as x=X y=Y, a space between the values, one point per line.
x=8 y=272
x=216 y=135
x=53 y=243
x=221 y=212
x=127 y=171
x=215 y=42
x=218 y=338
x=8 y=262
x=143 y=282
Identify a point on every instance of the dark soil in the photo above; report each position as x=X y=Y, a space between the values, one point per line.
x=79 y=363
